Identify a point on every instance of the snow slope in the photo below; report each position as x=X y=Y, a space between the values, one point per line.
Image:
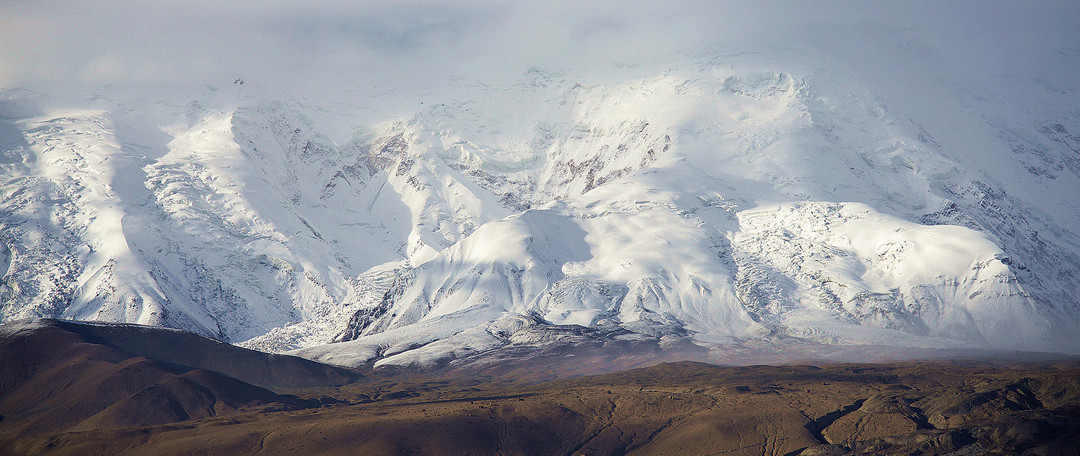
x=715 y=198
x=200 y=225
x=729 y=206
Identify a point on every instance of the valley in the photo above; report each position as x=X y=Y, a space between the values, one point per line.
x=1014 y=404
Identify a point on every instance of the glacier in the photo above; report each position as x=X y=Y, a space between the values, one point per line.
x=717 y=199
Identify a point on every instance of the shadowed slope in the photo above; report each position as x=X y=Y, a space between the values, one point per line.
x=54 y=379
x=189 y=349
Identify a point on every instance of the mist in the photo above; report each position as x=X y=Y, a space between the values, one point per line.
x=386 y=56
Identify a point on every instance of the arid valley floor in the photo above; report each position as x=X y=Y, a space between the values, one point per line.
x=71 y=389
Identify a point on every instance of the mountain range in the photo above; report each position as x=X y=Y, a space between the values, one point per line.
x=722 y=200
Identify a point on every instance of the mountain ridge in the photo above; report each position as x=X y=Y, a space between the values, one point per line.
x=718 y=203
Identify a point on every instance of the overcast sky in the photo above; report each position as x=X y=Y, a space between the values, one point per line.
x=77 y=48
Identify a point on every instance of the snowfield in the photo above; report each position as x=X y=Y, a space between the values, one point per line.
x=716 y=198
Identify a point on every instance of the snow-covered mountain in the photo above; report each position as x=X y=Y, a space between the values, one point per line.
x=712 y=198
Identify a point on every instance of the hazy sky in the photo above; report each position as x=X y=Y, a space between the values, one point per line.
x=78 y=48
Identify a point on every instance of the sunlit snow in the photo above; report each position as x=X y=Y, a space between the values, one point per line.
x=904 y=175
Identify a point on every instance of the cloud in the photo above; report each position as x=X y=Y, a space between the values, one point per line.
x=320 y=48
